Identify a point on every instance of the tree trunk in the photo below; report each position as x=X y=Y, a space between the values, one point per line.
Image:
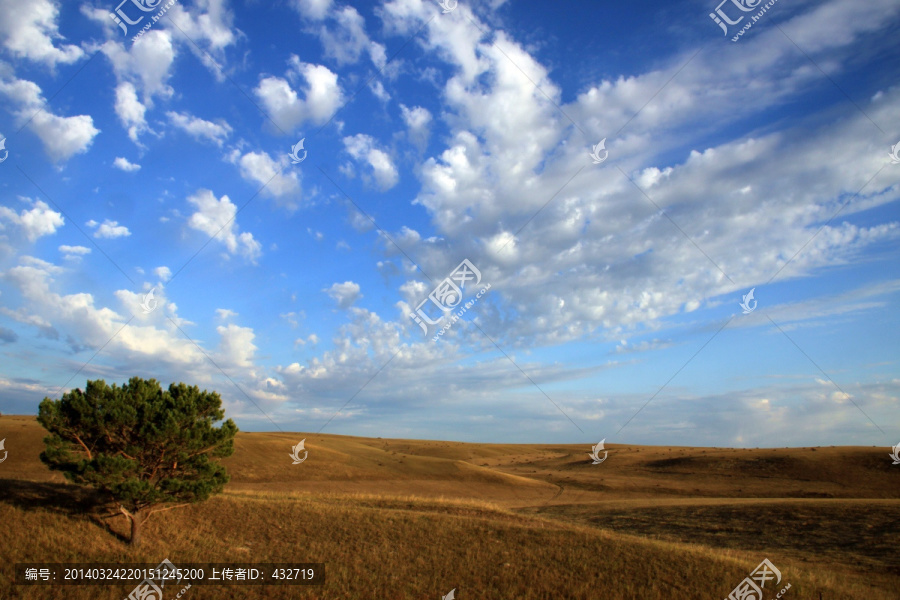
x=137 y=519
x=135 y=530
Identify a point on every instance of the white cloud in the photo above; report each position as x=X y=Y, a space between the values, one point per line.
x=206 y=28
x=236 y=348
x=345 y=294
x=418 y=121
x=378 y=90
x=62 y=137
x=146 y=342
x=74 y=252
x=280 y=182
x=598 y=260
x=312 y=9
x=125 y=165
x=38 y=221
x=163 y=273
x=147 y=64
x=311 y=339
x=617 y=265
x=363 y=148
x=456 y=40
x=142 y=73
x=29 y=29
x=108 y=229
x=216 y=218
x=130 y=110
x=322 y=96
x=210 y=21
x=644 y=346
x=344 y=38
x=200 y=129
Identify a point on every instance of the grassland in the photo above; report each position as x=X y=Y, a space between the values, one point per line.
x=408 y=519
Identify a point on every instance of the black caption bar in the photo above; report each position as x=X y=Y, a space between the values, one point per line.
x=171 y=575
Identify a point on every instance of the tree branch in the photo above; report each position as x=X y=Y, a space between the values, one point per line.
x=83 y=445
x=167 y=508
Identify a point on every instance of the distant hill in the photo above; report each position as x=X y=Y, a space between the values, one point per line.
x=519 y=474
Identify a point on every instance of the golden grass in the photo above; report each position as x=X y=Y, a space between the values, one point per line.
x=406 y=519
x=392 y=549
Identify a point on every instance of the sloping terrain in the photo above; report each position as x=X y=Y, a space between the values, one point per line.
x=414 y=519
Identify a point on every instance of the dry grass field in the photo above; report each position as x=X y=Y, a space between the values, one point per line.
x=407 y=519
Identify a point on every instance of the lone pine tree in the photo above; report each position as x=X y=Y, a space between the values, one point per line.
x=145 y=447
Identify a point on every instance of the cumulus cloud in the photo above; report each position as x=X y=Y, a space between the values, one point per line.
x=364 y=150
x=130 y=110
x=321 y=98
x=236 y=348
x=345 y=294
x=34 y=222
x=62 y=137
x=74 y=253
x=163 y=273
x=142 y=342
x=209 y=23
x=311 y=339
x=601 y=257
x=580 y=251
x=30 y=30
x=200 y=129
x=344 y=38
x=312 y=9
x=224 y=314
x=125 y=165
x=216 y=218
x=378 y=90
x=206 y=29
x=108 y=229
x=147 y=64
x=418 y=121
x=142 y=73
x=275 y=178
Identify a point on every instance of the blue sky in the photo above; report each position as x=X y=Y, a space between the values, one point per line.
x=162 y=164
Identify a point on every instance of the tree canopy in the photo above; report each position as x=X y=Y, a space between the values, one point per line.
x=147 y=448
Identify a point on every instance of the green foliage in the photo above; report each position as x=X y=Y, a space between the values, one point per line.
x=141 y=444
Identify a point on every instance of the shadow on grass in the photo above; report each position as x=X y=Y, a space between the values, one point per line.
x=853 y=532
x=73 y=501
